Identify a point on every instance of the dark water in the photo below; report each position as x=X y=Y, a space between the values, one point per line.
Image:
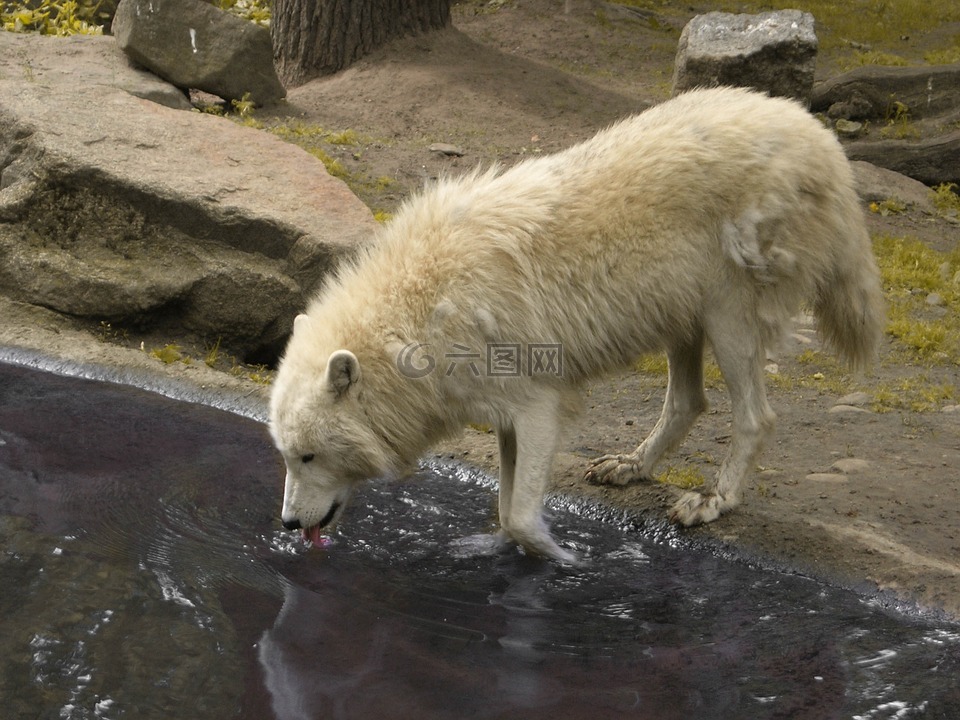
x=143 y=574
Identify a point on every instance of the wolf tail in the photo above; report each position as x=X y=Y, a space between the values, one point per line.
x=848 y=302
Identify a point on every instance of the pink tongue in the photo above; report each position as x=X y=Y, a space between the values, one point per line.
x=313 y=535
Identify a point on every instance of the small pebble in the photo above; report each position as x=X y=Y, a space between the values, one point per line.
x=836 y=409
x=849 y=128
x=447 y=149
x=857 y=399
x=850 y=466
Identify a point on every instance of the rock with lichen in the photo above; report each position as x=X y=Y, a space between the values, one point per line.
x=774 y=52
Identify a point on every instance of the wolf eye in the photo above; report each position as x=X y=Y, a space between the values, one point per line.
x=307 y=458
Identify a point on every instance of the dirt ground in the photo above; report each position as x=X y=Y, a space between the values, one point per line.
x=866 y=499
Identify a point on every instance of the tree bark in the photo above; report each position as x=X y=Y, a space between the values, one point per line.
x=320 y=37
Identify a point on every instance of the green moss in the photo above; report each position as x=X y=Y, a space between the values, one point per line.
x=325 y=145
x=912 y=273
x=944 y=56
x=898 y=124
x=907 y=264
x=333 y=166
x=309 y=134
x=244 y=106
x=686 y=477
x=929 y=339
x=656 y=365
x=946 y=200
x=890 y=206
x=874 y=57
x=169 y=354
x=213 y=355
x=918 y=393
x=261 y=375
x=346 y=137
x=210 y=108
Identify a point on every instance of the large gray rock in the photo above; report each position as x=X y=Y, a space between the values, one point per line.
x=117 y=209
x=931 y=160
x=774 y=52
x=195 y=45
x=869 y=92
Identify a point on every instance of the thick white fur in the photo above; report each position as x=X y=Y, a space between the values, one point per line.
x=708 y=218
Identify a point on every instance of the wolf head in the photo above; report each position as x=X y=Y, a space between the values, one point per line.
x=319 y=425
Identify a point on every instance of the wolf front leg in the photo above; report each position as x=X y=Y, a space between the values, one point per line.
x=485 y=545
x=507 y=444
x=536 y=429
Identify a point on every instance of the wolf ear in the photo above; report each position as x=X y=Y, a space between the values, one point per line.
x=343 y=371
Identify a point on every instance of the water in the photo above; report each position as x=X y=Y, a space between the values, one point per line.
x=143 y=574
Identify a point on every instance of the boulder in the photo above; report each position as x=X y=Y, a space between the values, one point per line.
x=876 y=184
x=98 y=61
x=196 y=46
x=931 y=160
x=869 y=92
x=774 y=52
x=117 y=209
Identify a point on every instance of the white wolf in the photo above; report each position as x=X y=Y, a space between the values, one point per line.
x=490 y=298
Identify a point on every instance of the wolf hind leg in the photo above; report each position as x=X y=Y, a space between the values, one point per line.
x=683 y=404
x=733 y=329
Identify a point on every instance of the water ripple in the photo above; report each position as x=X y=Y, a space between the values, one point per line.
x=144 y=571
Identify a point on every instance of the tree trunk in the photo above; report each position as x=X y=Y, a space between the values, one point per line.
x=320 y=37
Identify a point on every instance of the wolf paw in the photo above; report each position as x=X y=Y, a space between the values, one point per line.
x=558 y=554
x=484 y=545
x=614 y=470
x=695 y=508
x=543 y=545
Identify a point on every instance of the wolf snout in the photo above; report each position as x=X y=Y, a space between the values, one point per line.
x=295 y=524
